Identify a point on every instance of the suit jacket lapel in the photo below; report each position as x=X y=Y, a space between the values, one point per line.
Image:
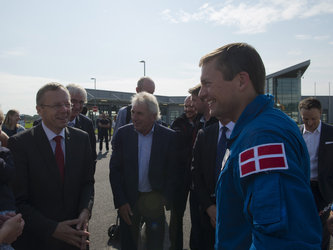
x=154 y=151
x=321 y=147
x=78 y=122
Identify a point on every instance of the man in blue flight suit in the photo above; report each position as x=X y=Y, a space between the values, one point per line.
x=264 y=199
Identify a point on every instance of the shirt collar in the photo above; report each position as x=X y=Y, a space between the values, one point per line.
x=50 y=134
x=73 y=121
x=230 y=125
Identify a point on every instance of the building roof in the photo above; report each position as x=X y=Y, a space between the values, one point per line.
x=125 y=97
x=291 y=72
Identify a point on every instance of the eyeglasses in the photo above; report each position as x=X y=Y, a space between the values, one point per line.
x=58 y=107
x=74 y=102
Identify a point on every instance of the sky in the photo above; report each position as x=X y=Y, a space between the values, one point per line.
x=73 y=41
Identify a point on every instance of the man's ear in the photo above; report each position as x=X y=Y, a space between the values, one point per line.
x=38 y=108
x=244 y=80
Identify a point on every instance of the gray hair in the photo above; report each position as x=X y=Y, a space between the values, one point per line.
x=75 y=89
x=151 y=102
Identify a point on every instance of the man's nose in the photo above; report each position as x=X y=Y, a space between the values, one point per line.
x=202 y=93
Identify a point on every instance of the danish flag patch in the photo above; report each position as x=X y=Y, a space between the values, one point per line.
x=262 y=158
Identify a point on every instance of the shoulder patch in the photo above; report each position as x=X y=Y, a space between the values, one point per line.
x=262 y=158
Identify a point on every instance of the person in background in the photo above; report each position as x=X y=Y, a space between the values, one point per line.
x=263 y=196
x=11 y=224
x=185 y=131
x=204 y=118
x=104 y=126
x=3 y=136
x=10 y=125
x=318 y=137
x=208 y=153
x=78 y=120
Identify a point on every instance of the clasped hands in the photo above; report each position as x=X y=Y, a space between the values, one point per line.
x=77 y=236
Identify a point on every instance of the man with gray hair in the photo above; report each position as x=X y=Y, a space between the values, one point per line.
x=143 y=173
x=78 y=120
x=124 y=114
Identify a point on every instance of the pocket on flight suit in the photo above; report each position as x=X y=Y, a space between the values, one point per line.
x=266 y=206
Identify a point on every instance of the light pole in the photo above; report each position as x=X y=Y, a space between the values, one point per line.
x=94 y=81
x=144 y=67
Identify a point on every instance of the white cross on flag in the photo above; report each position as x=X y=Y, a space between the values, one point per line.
x=261 y=158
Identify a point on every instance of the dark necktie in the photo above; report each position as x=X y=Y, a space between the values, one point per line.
x=59 y=155
x=221 y=148
x=71 y=124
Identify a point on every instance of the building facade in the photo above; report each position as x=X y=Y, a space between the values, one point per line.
x=109 y=102
x=285 y=86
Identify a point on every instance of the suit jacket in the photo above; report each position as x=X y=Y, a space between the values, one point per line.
x=41 y=196
x=204 y=164
x=325 y=162
x=84 y=123
x=124 y=170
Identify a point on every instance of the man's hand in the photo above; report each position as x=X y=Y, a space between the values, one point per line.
x=330 y=223
x=66 y=233
x=83 y=225
x=211 y=211
x=125 y=212
x=4 y=217
x=11 y=229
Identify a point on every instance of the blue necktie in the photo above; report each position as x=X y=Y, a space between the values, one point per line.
x=221 y=148
x=71 y=124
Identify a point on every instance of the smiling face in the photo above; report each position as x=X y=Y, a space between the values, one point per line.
x=14 y=118
x=143 y=120
x=221 y=95
x=189 y=109
x=311 y=118
x=53 y=109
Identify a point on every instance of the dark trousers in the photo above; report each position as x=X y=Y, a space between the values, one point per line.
x=197 y=232
x=104 y=136
x=208 y=231
x=149 y=209
x=320 y=202
x=176 y=220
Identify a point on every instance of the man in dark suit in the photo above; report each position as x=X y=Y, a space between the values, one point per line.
x=78 y=120
x=206 y=165
x=143 y=173
x=318 y=137
x=54 y=183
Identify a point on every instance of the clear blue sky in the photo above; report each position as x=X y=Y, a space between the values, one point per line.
x=72 y=41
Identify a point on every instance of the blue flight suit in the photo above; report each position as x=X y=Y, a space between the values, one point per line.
x=266 y=208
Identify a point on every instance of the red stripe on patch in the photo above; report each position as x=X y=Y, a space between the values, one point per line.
x=269 y=150
x=248 y=167
x=272 y=162
x=246 y=155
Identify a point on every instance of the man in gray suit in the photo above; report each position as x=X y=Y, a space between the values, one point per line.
x=143 y=173
x=54 y=183
x=318 y=137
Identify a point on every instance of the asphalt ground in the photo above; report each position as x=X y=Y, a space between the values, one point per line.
x=104 y=214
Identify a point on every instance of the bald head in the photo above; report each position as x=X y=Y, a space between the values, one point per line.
x=145 y=84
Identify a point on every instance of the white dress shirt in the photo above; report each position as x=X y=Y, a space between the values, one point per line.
x=50 y=135
x=312 y=143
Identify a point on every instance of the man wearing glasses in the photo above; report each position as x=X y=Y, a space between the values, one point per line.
x=54 y=183
x=77 y=120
